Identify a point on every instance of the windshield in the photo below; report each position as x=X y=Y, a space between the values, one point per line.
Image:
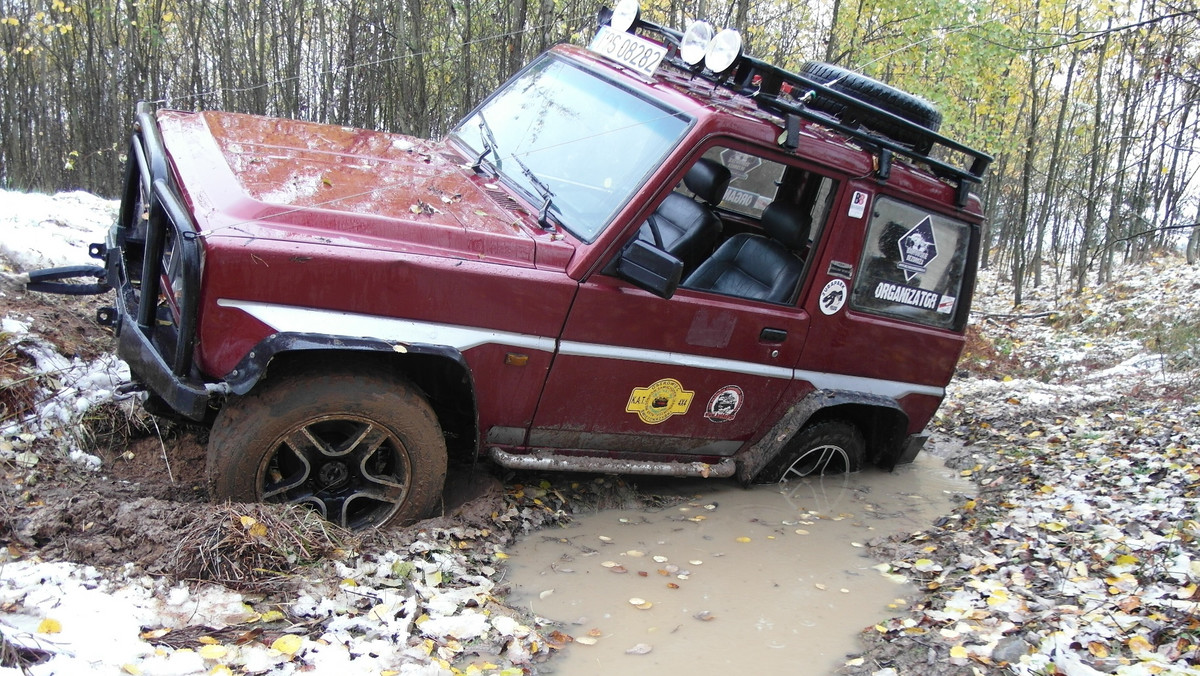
x=588 y=141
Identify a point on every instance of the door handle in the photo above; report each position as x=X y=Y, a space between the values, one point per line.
x=770 y=335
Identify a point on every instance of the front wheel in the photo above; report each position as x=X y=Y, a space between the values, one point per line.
x=363 y=451
x=830 y=447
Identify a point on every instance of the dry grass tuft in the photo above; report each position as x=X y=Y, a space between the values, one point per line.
x=18 y=385
x=250 y=547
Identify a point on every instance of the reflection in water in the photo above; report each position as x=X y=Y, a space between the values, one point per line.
x=773 y=579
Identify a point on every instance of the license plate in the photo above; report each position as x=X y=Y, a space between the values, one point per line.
x=628 y=50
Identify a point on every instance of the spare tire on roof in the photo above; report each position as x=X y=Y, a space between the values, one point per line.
x=900 y=103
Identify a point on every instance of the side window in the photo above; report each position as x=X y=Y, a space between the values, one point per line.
x=912 y=264
x=754 y=182
x=772 y=214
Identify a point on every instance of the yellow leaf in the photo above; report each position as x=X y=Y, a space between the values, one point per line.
x=155 y=633
x=1139 y=644
x=49 y=626
x=958 y=652
x=258 y=530
x=221 y=670
x=213 y=652
x=1053 y=526
x=1126 y=560
x=1098 y=649
x=131 y=669
x=208 y=640
x=743 y=539
x=248 y=521
x=501 y=555
x=271 y=616
x=288 y=644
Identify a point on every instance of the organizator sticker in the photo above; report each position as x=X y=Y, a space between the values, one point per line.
x=912 y=296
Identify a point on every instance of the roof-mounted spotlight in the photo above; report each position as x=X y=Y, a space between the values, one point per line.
x=625 y=15
x=723 y=51
x=695 y=42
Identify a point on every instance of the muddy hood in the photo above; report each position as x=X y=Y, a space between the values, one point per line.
x=287 y=179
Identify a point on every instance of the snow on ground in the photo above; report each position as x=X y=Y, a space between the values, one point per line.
x=46 y=231
x=39 y=231
x=417 y=611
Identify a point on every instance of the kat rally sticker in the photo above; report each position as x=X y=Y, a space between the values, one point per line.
x=724 y=404
x=660 y=401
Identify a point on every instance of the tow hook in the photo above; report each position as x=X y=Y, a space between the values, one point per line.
x=126 y=390
x=51 y=280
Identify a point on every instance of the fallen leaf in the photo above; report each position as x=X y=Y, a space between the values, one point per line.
x=49 y=626
x=639 y=649
x=213 y=651
x=288 y=644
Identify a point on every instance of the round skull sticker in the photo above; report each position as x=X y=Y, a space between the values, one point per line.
x=833 y=296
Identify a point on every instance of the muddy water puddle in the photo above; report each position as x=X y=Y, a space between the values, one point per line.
x=774 y=579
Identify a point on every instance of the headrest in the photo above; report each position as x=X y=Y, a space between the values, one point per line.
x=787 y=223
x=708 y=180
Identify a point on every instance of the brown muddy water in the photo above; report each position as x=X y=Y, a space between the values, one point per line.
x=774 y=579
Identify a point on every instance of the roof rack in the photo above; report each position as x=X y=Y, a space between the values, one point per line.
x=764 y=83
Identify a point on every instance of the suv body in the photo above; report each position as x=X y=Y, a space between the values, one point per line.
x=502 y=291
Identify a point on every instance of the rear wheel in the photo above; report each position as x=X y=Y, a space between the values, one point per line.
x=362 y=450
x=830 y=447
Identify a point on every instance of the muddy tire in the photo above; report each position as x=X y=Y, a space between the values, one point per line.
x=362 y=450
x=830 y=447
x=895 y=101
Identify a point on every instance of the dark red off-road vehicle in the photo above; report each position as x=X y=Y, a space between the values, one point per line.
x=655 y=255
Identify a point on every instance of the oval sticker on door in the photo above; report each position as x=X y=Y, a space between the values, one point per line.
x=833 y=296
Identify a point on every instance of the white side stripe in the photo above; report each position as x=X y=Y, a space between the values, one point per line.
x=675 y=358
x=291 y=319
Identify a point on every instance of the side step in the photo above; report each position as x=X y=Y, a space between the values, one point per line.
x=546 y=461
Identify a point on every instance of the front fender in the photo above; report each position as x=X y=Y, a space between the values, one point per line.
x=253 y=366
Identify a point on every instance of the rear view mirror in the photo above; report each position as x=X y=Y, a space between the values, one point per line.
x=650 y=268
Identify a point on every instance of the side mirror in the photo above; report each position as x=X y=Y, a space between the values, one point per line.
x=648 y=267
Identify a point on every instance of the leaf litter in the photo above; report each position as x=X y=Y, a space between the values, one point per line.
x=1079 y=556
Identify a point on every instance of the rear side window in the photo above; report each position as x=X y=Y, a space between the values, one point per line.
x=912 y=264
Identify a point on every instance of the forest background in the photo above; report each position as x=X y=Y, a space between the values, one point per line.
x=1090 y=107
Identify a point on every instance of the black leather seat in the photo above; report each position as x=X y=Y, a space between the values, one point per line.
x=757 y=267
x=689 y=229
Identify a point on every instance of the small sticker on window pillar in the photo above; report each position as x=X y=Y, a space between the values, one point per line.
x=833 y=296
x=858 y=204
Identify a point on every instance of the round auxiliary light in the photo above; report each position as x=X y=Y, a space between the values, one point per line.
x=625 y=14
x=695 y=42
x=723 y=51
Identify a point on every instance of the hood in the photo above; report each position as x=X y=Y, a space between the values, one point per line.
x=286 y=179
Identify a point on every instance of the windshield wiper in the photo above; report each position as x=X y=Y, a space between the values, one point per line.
x=491 y=147
x=544 y=190
x=489 y=143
